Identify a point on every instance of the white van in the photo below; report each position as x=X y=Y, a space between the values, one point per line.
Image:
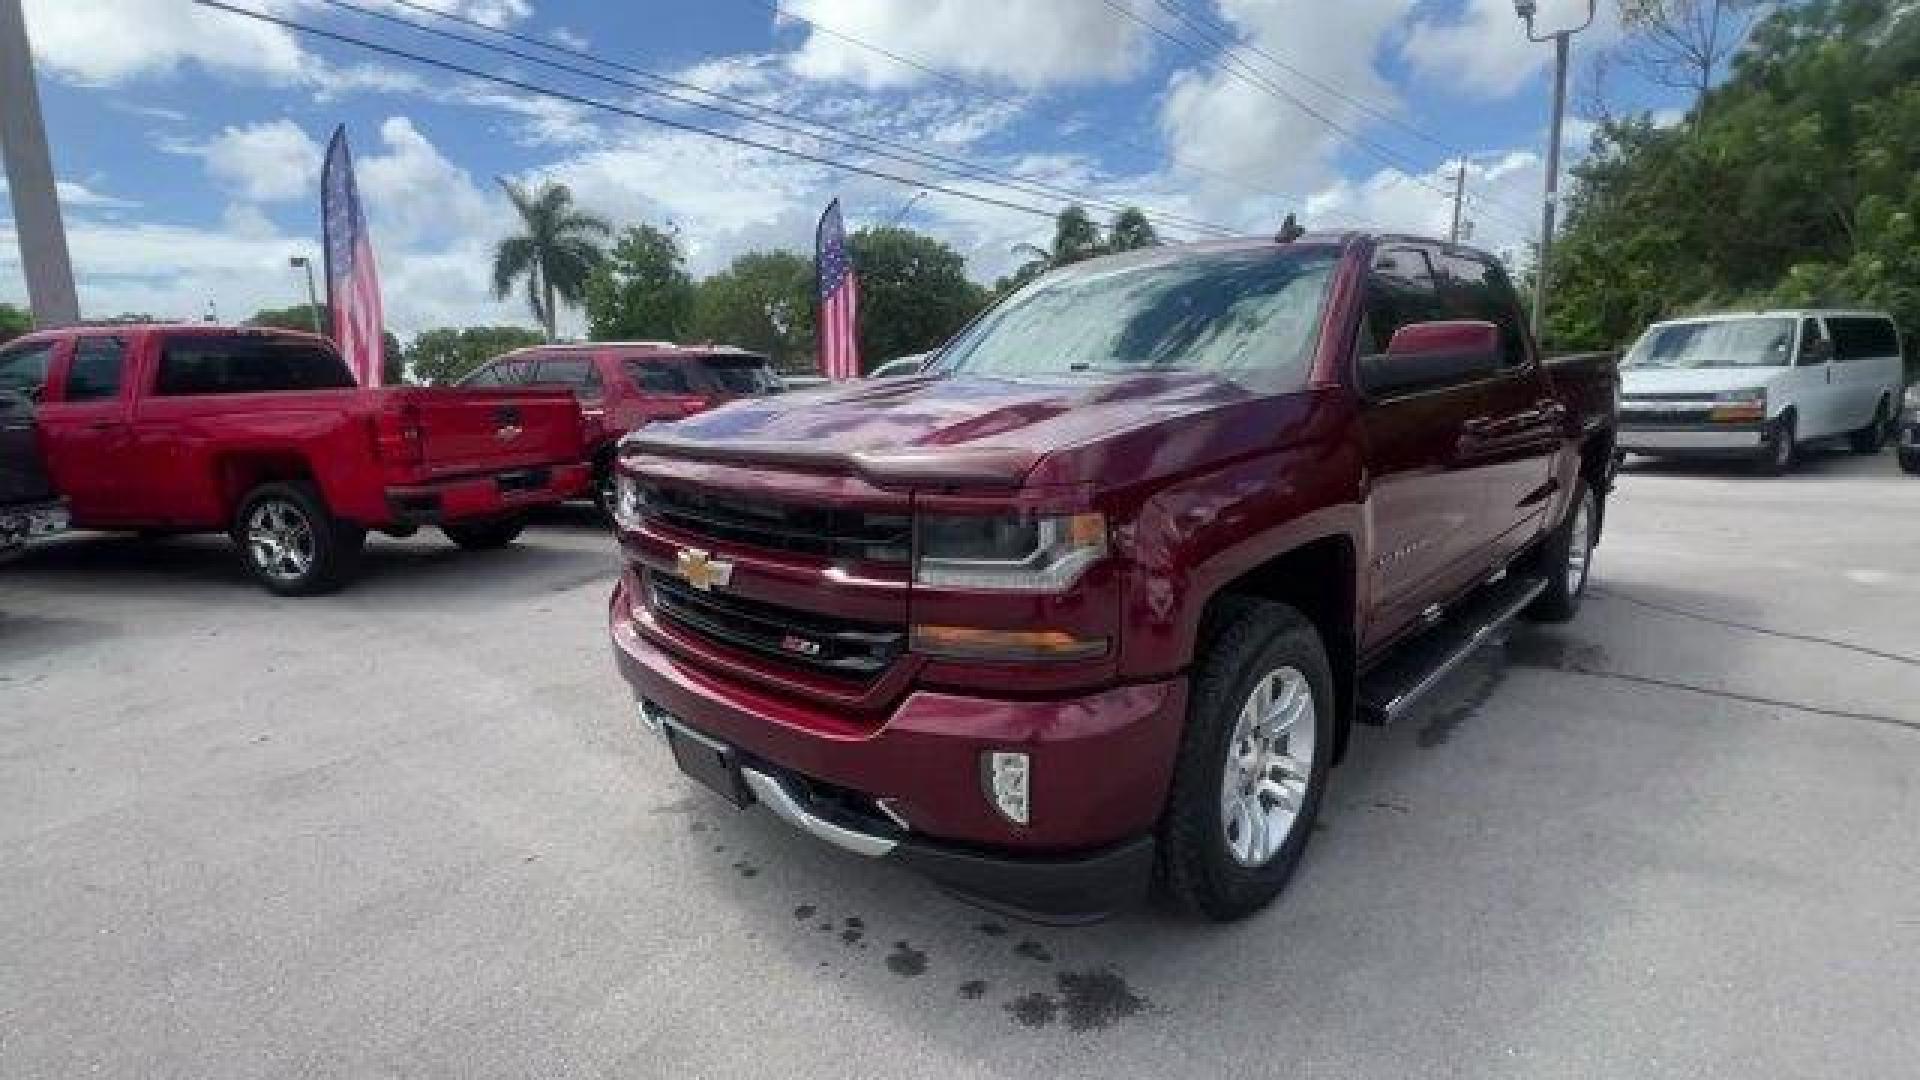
x=1760 y=384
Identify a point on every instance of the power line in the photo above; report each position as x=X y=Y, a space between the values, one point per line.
x=1236 y=68
x=855 y=140
x=974 y=88
x=621 y=110
x=1200 y=20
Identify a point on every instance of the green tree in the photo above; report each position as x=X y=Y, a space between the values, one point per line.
x=764 y=301
x=14 y=321
x=300 y=317
x=446 y=354
x=642 y=291
x=1131 y=231
x=914 y=292
x=556 y=251
x=1796 y=184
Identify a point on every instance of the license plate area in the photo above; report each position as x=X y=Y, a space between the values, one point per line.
x=713 y=764
x=524 y=481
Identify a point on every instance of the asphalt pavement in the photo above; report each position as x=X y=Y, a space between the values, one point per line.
x=414 y=830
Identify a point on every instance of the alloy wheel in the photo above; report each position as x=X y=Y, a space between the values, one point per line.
x=1269 y=763
x=280 y=540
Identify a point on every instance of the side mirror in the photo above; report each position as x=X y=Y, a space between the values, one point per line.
x=1428 y=355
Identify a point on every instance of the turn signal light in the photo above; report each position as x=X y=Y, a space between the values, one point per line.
x=1735 y=412
x=973 y=643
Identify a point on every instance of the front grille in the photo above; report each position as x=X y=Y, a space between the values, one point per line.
x=804 y=639
x=1631 y=415
x=806 y=530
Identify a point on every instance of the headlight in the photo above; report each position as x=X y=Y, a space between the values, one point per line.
x=1913 y=398
x=1021 y=554
x=1736 y=406
x=628 y=501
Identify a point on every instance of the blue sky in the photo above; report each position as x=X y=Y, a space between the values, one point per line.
x=188 y=140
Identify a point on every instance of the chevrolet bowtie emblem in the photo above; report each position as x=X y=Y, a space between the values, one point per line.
x=701 y=570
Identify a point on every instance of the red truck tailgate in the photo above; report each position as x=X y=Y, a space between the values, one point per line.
x=490 y=429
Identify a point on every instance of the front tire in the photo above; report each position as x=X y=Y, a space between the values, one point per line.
x=1873 y=438
x=1782 y=450
x=1910 y=461
x=292 y=544
x=1565 y=559
x=1253 y=762
x=485 y=535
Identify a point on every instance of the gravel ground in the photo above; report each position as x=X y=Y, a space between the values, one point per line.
x=413 y=830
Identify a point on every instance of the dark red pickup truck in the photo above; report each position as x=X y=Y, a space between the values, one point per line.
x=1097 y=598
x=263 y=434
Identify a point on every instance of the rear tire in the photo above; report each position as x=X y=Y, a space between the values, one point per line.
x=292 y=544
x=1910 y=461
x=1781 y=451
x=1241 y=759
x=1873 y=438
x=1565 y=559
x=487 y=534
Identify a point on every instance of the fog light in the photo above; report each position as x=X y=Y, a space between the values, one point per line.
x=1007 y=784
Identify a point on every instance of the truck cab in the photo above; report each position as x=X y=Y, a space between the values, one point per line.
x=1094 y=600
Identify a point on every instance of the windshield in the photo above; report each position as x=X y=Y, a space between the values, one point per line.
x=1722 y=343
x=1225 y=311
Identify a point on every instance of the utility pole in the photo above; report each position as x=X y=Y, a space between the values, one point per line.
x=1459 y=199
x=36 y=200
x=1562 y=45
x=313 y=298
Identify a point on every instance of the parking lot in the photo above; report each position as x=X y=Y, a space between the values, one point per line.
x=414 y=830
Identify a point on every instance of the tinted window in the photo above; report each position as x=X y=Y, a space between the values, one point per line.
x=487 y=375
x=1400 y=290
x=1863 y=339
x=94 y=374
x=1476 y=289
x=1241 y=311
x=24 y=369
x=657 y=377
x=740 y=376
x=248 y=365
x=1812 y=341
x=572 y=371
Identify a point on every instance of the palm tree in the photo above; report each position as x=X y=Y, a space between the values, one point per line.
x=1131 y=231
x=556 y=253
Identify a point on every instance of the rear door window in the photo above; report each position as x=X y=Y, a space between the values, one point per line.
x=1813 y=344
x=739 y=376
x=575 y=372
x=660 y=377
x=194 y=365
x=23 y=368
x=95 y=370
x=1859 y=338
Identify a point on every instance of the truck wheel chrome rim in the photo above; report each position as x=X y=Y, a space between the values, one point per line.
x=281 y=540
x=1579 y=545
x=1269 y=760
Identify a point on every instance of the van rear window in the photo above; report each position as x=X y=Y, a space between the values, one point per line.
x=195 y=365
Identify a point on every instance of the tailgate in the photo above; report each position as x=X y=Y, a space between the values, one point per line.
x=492 y=429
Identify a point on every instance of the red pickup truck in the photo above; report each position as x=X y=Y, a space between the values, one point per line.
x=623 y=385
x=263 y=434
x=1097 y=598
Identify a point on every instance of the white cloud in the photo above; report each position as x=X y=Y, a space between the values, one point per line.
x=1018 y=41
x=1231 y=125
x=570 y=39
x=1484 y=50
x=266 y=162
x=77 y=196
x=109 y=41
x=1498 y=191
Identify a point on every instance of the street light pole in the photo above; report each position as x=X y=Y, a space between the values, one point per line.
x=36 y=199
x=1562 y=47
x=1459 y=198
x=313 y=298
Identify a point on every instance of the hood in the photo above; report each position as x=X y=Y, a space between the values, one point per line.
x=1703 y=381
x=921 y=429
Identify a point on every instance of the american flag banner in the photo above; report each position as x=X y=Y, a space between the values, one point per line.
x=353 y=285
x=839 y=322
